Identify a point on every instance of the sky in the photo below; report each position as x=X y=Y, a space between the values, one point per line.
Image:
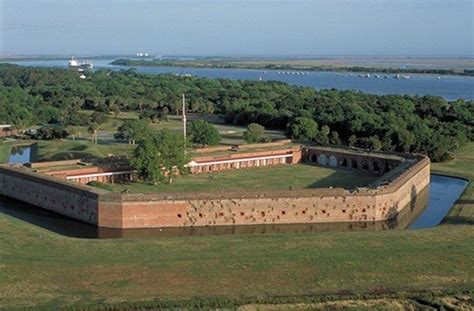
x=439 y=28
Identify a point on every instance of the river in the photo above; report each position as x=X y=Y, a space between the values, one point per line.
x=427 y=210
x=446 y=86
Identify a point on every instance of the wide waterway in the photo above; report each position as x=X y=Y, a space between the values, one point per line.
x=427 y=210
x=446 y=86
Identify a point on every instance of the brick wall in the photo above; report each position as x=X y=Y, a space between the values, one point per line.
x=50 y=193
x=218 y=208
x=274 y=207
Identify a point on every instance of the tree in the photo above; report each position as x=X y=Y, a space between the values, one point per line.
x=50 y=132
x=98 y=117
x=374 y=143
x=116 y=110
x=323 y=136
x=77 y=118
x=72 y=132
x=92 y=129
x=164 y=114
x=352 y=141
x=159 y=156
x=334 y=139
x=303 y=129
x=132 y=130
x=49 y=115
x=387 y=143
x=255 y=133
x=203 y=133
x=31 y=96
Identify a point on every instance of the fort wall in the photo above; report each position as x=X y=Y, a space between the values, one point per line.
x=408 y=176
x=50 y=193
x=273 y=207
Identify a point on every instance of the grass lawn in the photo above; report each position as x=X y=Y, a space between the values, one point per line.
x=276 y=177
x=39 y=268
x=5 y=149
x=462 y=166
x=231 y=134
x=53 y=150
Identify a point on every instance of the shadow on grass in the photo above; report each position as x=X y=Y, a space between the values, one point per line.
x=344 y=179
x=70 y=155
x=46 y=219
x=458 y=220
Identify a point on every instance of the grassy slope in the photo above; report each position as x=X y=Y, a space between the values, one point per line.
x=461 y=166
x=280 y=177
x=231 y=134
x=40 y=268
x=67 y=149
x=5 y=149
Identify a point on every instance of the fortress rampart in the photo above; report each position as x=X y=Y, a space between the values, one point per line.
x=402 y=178
x=54 y=194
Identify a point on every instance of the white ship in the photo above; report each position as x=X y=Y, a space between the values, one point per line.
x=80 y=66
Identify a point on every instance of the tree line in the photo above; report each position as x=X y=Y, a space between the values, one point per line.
x=425 y=124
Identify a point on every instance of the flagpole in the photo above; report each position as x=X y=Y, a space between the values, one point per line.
x=184 y=122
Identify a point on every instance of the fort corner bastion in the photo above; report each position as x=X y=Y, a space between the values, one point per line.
x=401 y=178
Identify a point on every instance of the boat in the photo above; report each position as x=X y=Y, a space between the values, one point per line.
x=80 y=66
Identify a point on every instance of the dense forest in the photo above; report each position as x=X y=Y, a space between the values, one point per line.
x=264 y=66
x=425 y=124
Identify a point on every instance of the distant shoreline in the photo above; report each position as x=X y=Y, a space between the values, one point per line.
x=284 y=66
x=460 y=66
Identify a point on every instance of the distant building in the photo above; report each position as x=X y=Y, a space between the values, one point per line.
x=7 y=130
x=207 y=164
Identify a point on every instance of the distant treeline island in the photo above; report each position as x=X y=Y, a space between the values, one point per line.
x=285 y=66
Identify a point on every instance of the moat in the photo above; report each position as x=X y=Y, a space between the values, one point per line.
x=426 y=210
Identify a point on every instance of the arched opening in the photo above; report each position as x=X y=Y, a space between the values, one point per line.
x=375 y=166
x=344 y=162
x=365 y=165
x=387 y=167
x=313 y=158
x=354 y=164
x=322 y=159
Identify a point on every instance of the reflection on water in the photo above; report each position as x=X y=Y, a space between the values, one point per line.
x=426 y=210
x=20 y=155
x=444 y=192
x=399 y=222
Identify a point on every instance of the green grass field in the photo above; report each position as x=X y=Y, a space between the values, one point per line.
x=5 y=149
x=42 y=269
x=231 y=134
x=53 y=150
x=461 y=166
x=277 y=177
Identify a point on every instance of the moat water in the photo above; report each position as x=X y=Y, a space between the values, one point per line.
x=446 y=86
x=427 y=210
